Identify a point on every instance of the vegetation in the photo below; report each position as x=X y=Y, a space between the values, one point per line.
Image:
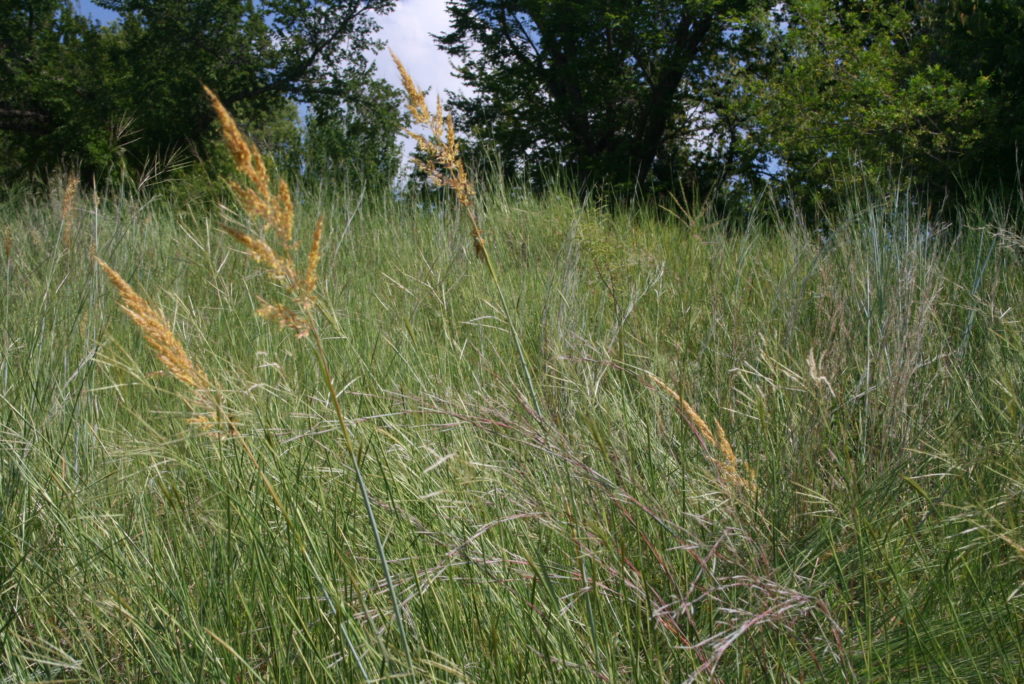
x=854 y=90
x=806 y=99
x=629 y=447
x=617 y=92
x=810 y=98
x=678 y=391
x=126 y=95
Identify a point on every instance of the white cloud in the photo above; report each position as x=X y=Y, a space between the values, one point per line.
x=407 y=31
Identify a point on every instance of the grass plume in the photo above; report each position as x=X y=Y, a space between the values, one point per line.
x=275 y=213
x=67 y=211
x=298 y=311
x=884 y=542
x=157 y=332
x=441 y=159
x=728 y=466
x=442 y=163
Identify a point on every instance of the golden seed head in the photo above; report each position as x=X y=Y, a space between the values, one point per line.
x=67 y=203
x=308 y=285
x=286 y=318
x=441 y=161
x=686 y=410
x=728 y=466
x=157 y=333
x=415 y=99
x=233 y=137
x=276 y=212
x=67 y=208
x=261 y=252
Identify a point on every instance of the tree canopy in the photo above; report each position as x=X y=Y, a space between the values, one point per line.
x=616 y=91
x=811 y=96
x=858 y=88
x=77 y=90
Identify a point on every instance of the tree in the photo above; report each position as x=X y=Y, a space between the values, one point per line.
x=51 y=64
x=855 y=89
x=983 y=43
x=356 y=140
x=71 y=81
x=619 y=91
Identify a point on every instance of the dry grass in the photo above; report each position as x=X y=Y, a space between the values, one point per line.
x=577 y=543
x=157 y=332
x=170 y=352
x=67 y=212
x=276 y=214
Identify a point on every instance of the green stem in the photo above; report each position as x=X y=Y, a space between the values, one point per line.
x=482 y=247
x=325 y=371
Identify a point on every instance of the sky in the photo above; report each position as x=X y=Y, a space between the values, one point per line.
x=406 y=30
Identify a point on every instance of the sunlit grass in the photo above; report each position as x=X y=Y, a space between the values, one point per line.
x=868 y=379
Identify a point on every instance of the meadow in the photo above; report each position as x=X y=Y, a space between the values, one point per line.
x=632 y=444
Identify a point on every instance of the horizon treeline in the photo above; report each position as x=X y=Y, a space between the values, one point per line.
x=805 y=98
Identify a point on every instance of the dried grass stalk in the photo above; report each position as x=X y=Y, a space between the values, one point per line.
x=67 y=210
x=169 y=350
x=274 y=208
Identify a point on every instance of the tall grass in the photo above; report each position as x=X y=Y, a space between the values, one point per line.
x=868 y=378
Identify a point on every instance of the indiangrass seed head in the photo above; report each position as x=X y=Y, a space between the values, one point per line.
x=415 y=99
x=441 y=162
x=260 y=251
x=686 y=410
x=67 y=208
x=728 y=466
x=309 y=281
x=276 y=211
x=157 y=333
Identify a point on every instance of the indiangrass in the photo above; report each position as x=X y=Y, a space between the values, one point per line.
x=442 y=164
x=728 y=465
x=764 y=455
x=275 y=211
x=67 y=211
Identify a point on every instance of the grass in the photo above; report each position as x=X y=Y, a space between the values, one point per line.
x=868 y=379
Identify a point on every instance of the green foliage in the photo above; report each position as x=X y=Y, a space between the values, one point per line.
x=874 y=381
x=124 y=94
x=54 y=71
x=983 y=43
x=355 y=142
x=616 y=92
x=816 y=95
x=855 y=90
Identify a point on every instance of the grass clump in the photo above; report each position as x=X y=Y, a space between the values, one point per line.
x=731 y=455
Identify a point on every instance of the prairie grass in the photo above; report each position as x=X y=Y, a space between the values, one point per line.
x=868 y=378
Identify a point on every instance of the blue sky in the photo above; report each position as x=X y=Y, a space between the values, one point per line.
x=407 y=30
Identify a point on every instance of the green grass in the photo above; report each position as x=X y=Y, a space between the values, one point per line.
x=595 y=543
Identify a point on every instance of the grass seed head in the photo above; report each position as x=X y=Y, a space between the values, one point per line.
x=157 y=333
x=309 y=280
x=274 y=209
x=67 y=210
x=441 y=160
x=276 y=212
x=728 y=466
